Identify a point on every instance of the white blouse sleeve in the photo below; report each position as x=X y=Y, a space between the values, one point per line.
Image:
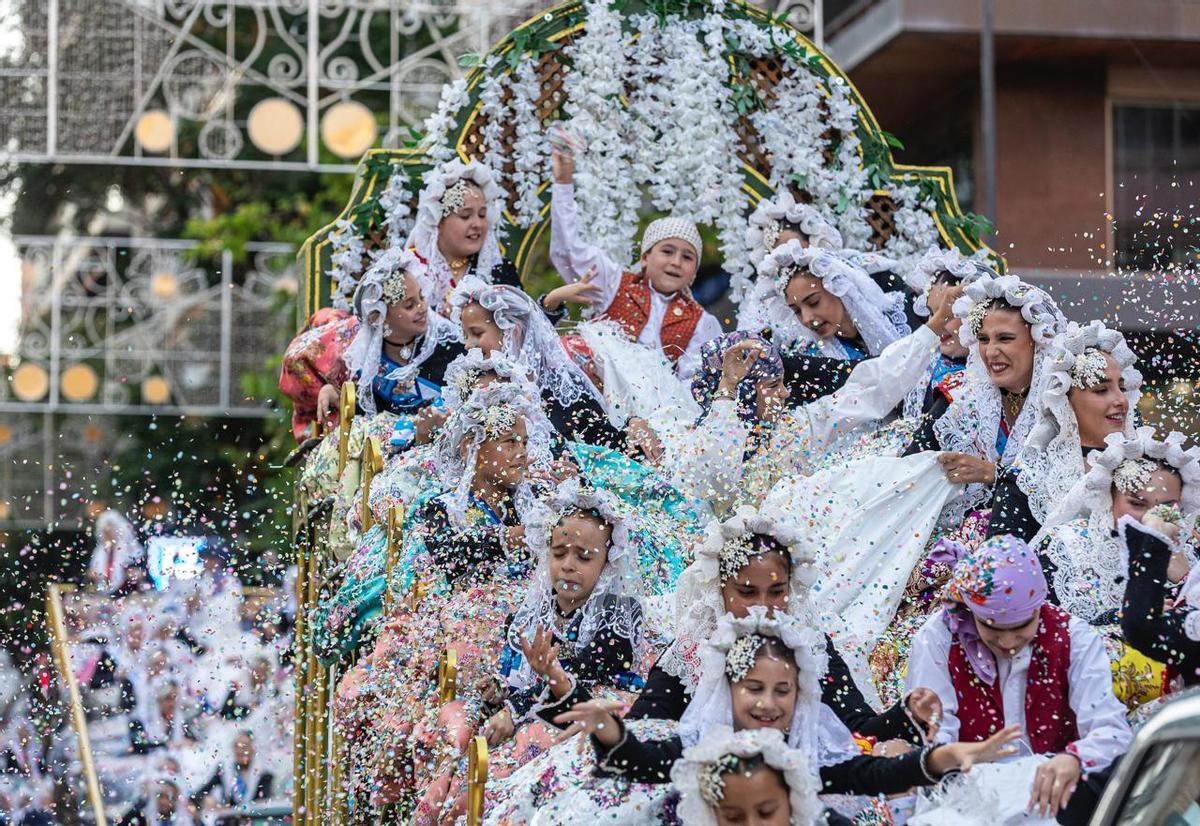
x=873 y=389
x=706 y=459
x=929 y=667
x=707 y=328
x=1104 y=732
x=571 y=255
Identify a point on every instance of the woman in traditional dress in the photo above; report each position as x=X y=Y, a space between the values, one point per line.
x=455 y=235
x=1085 y=550
x=400 y=351
x=1090 y=391
x=117 y=547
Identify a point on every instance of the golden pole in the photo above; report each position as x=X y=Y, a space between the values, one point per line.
x=447 y=676
x=302 y=542
x=477 y=774
x=395 y=535
x=345 y=417
x=314 y=689
x=58 y=630
x=372 y=463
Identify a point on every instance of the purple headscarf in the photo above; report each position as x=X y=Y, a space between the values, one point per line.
x=768 y=365
x=1000 y=582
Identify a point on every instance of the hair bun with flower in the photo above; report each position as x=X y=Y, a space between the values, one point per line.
x=1127 y=461
x=766 y=225
x=921 y=275
x=700 y=775
x=1036 y=306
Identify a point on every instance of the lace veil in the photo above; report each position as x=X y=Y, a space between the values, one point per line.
x=614 y=604
x=879 y=316
x=488 y=410
x=431 y=211
x=1051 y=460
x=363 y=355
x=697 y=776
x=528 y=338
x=698 y=602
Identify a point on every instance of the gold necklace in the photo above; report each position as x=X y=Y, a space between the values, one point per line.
x=459 y=264
x=1013 y=402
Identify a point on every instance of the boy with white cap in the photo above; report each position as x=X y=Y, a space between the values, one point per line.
x=655 y=307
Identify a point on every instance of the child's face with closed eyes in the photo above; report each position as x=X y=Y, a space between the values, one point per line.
x=757 y=798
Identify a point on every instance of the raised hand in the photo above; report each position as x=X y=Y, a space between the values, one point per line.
x=925 y=706
x=596 y=717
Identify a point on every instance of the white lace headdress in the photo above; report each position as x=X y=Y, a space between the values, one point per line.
x=972 y=422
x=879 y=316
x=730 y=653
x=1051 y=460
x=1079 y=538
x=725 y=546
x=442 y=195
x=490 y=411
x=462 y=376
x=699 y=776
x=527 y=338
x=614 y=602
x=936 y=260
x=766 y=225
x=382 y=285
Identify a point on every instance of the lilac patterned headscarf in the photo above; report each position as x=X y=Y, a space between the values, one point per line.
x=1000 y=582
x=768 y=365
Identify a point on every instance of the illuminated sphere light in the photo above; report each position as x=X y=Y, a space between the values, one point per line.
x=275 y=126
x=156 y=390
x=164 y=285
x=155 y=131
x=6 y=434
x=79 y=383
x=30 y=382
x=348 y=129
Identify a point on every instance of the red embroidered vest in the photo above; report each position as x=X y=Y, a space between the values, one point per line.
x=1049 y=721
x=630 y=308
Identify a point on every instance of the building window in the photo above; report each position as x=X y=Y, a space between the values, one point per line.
x=1156 y=178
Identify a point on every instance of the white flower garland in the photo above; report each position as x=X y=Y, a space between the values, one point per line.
x=530 y=151
x=915 y=228
x=346 y=263
x=437 y=126
x=396 y=202
x=605 y=190
x=491 y=93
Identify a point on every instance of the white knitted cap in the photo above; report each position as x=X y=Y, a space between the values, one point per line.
x=671 y=227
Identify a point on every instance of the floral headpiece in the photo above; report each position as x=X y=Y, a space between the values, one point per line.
x=462 y=376
x=1127 y=462
x=1078 y=359
x=1035 y=305
x=447 y=185
x=739 y=660
x=922 y=274
x=700 y=774
x=766 y=224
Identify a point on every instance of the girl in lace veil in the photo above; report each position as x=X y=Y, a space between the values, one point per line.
x=1081 y=545
x=392 y=306
x=458 y=215
x=1008 y=326
x=728 y=774
x=1091 y=390
x=578 y=633
x=817 y=301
